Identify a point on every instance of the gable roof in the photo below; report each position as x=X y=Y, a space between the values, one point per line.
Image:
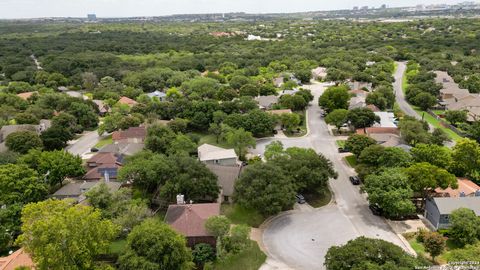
x=16 y=259
x=212 y=152
x=266 y=101
x=106 y=158
x=127 y=101
x=123 y=148
x=447 y=205
x=189 y=219
x=464 y=185
x=130 y=133
x=99 y=172
x=279 y=112
x=227 y=176
x=75 y=189
x=26 y=95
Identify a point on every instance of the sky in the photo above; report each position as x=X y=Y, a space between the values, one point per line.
x=129 y=8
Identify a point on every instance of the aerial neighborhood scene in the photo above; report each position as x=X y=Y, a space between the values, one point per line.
x=239 y=135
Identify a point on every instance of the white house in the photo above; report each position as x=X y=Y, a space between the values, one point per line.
x=211 y=154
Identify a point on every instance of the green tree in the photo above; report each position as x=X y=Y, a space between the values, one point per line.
x=335 y=97
x=54 y=166
x=238 y=239
x=439 y=137
x=391 y=191
x=218 y=226
x=439 y=156
x=434 y=244
x=154 y=245
x=182 y=145
x=274 y=150
x=240 y=140
x=22 y=141
x=265 y=188
x=20 y=184
x=414 y=131
x=456 y=117
x=337 y=118
x=425 y=100
x=61 y=236
x=203 y=253
x=362 y=117
x=367 y=253
x=26 y=118
x=55 y=138
x=466 y=158
x=464 y=226
x=159 y=138
x=290 y=121
x=356 y=143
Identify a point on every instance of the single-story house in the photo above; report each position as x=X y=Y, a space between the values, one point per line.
x=266 y=102
x=381 y=134
x=123 y=148
x=466 y=188
x=103 y=166
x=102 y=107
x=387 y=119
x=280 y=112
x=127 y=101
x=77 y=190
x=319 y=73
x=355 y=85
x=9 y=129
x=211 y=154
x=438 y=209
x=157 y=94
x=16 y=260
x=227 y=176
x=130 y=135
x=189 y=220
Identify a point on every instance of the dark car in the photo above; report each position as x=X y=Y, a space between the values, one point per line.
x=93 y=150
x=355 y=180
x=300 y=199
x=376 y=210
x=342 y=150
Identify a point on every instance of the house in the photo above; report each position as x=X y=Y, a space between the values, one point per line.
x=373 y=108
x=360 y=85
x=189 y=220
x=319 y=73
x=278 y=82
x=438 y=209
x=466 y=188
x=74 y=94
x=381 y=134
x=103 y=166
x=102 y=107
x=289 y=92
x=280 y=112
x=210 y=154
x=227 y=176
x=387 y=120
x=158 y=94
x=131 y=135
x=9 y=129
x=77 y=190
x=358 y=99
x=26 y=95
x=122 y=148
x=266 y=102
x=127 y=101
x=17 y=260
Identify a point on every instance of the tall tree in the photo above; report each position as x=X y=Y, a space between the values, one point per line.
x=20 y=184
x=356 y=143
x=154 y=245
x=240 y=140
x=465 y=226
x=22 y=141
x=466 y=158
x=337 y=118
x=362 y=117
x=61 y=236
x=335 y=97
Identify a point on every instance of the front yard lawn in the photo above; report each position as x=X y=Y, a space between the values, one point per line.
x=249 y=259
x=420 y=249
x=240 y=215
x=104 y=141
x=351 y=160
x=210 y=139
x=436 y=124
x=341 y=143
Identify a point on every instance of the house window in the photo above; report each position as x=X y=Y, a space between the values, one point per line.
x=216 y=161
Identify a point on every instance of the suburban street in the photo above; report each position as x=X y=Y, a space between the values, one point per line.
x=300 y=238
x=399 y=95
x=84 y=143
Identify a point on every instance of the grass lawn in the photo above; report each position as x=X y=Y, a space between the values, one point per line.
x=436 y=123
x=340 y=143
x=210 y=139
x=351 y=160
x=320 y=198
x=249 y=259
x=240 y=215
x=303 y=126
x=104 y=141
x=118 y=246
x=420 y=249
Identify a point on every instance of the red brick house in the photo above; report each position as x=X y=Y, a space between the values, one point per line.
x=130 y=135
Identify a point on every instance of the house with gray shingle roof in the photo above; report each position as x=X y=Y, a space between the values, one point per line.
x=438 y=209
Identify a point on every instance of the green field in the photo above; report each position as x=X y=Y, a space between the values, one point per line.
x=249 y=259
x=240 y=215
x=351 y=160
x=104 y=141
x=436 y=123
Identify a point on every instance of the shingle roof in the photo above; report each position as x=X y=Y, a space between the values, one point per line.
x=26 y=95
x=16 y=259
x=98 y=173
x=464 y=185
x=75 y=189
x=447 y=205
x=189 y=219
x=106 y=158
x=227 y=176
x=157 y=94
x=123 y=148
x=212 y=152
x=266 y=101
x=378 y=130
x=279 y=112
x=133 y=132
x=127 y=101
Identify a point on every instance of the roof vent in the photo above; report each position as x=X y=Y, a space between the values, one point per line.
x=462 y=194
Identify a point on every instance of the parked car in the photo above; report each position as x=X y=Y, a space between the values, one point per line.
x=300 y=199
x=376 y=210
x=342 y=150
x=94 y=149
x=355 y=180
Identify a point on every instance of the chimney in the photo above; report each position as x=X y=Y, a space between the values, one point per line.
x=477 y=193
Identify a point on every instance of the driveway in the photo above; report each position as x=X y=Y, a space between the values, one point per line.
x=300 y=239
x=83 y=145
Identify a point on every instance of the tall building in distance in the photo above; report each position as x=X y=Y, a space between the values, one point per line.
x=91 y=17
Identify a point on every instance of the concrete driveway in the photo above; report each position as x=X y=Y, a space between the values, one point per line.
x=300 y=239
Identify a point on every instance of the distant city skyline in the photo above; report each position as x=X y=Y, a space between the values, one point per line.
x=10 y=9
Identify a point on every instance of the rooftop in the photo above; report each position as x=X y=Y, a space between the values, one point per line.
x=212 y=152
x=227 y=175
x=464 y=185
x=446 y=205
x=127 y=101
x=189 y=219
x=130 y=133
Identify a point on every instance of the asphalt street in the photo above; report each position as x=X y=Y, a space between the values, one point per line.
x=84 y=143
x=300 y=239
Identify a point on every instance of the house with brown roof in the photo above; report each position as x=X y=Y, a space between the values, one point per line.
x=16 y=260
x=127 y=101
x=380 y=134
x=77 y=190
x=466 y=188
x=226 y=178
x=26 y=95
x=102 y=107
x=189 y=220
x=130 y=135
x=103 y=166
x=266 y=102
